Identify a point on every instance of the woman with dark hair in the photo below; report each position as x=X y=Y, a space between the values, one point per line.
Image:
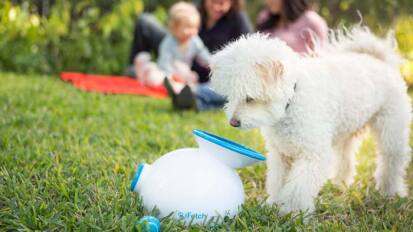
x=294 y=22
x=222 y=21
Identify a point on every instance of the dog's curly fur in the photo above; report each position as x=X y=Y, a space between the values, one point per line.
x=311 y=110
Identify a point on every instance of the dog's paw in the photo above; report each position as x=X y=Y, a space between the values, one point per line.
x=390 y=186
x=295 y=202
x=283 y=209
x=392 y=190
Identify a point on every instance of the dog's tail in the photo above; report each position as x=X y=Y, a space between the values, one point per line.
x=360 y=40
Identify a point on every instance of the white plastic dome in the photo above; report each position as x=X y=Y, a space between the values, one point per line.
x=196 y=184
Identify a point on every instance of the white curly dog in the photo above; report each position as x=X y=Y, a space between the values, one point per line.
x=312 y=109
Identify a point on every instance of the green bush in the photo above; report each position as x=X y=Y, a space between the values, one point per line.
x=404 y=33
x=78 y=35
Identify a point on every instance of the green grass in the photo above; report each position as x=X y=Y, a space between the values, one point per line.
x=67 y=158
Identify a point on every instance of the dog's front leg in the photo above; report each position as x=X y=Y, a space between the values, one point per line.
x=304 y=181
x=275 y=175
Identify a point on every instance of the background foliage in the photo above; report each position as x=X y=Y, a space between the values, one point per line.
x=82 y=35
x=48 y=36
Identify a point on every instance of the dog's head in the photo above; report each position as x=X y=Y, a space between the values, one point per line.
x=252 y=73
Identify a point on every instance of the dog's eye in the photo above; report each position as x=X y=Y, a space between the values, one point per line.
x=249 y=99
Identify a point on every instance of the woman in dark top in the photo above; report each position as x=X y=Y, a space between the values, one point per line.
x=222 y=21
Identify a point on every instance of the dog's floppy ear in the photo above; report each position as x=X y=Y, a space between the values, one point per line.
x=270 y=71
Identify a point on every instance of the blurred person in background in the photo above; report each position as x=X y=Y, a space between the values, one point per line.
x=177 y=51
x=294 y=22
x=221 y=21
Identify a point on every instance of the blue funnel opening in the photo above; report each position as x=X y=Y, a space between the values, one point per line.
x=136 y=178
x=226 y=143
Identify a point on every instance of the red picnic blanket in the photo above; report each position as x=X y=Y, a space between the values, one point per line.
x=112 y=84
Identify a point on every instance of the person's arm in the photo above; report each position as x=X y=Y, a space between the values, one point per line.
x=318 y=26
x=166 y=57
x=203 y=56
x=244 y=24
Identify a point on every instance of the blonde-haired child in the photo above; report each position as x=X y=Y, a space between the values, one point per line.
x=182 y=45
x=177 y=51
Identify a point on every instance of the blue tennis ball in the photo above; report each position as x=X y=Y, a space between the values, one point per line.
x=150 y=224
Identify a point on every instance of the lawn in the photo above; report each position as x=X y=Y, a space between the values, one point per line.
x=67 y=159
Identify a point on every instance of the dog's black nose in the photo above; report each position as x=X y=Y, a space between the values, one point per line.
x=235 y=122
